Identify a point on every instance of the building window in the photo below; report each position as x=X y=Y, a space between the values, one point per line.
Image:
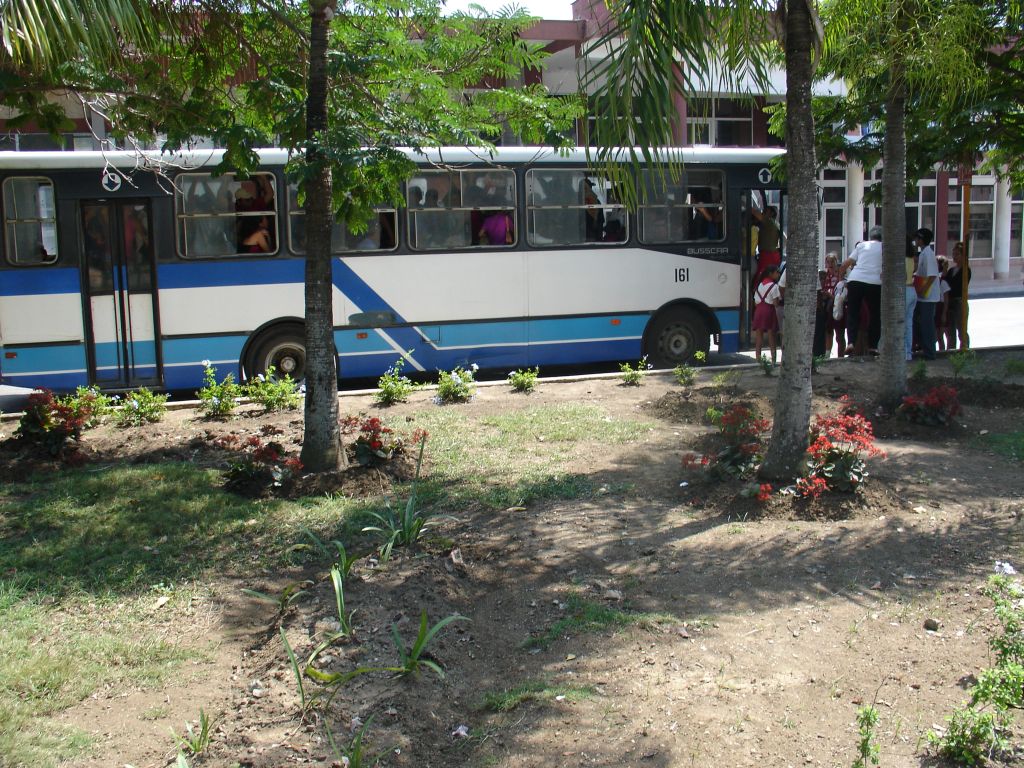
x=676 y=212
x=720 y=122
x=462 y=209
x=1016 y=222
x=225 y=216
x=572 y=207
x=30 y=222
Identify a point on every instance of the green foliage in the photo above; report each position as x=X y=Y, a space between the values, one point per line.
x=50 y=423
x=685 y=375
x=1009 y=444
x=393 y=387
x=700 y=357
x=293 y=662
x=963 y=361
x=412 y=658
x=273 y=393
x=867 y=747
x=218 y=399
x=195 y=739
x=634 y=376
x=457 y=385
x=352 y=755
x=726 y=380
x=587 y=616
x=817 y=361
x=971 y=736
x=344 y=619
x=919 y=372
x=980 y=729
x=767 y=366
x=523 y=379
x=141 y=407
x=284 y=599
x=509 y=699
x=1014 y=367
x=401 y=528
x=90 y=404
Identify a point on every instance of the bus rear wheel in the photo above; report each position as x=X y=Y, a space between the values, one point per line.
x=674 y=336
x=282 y=348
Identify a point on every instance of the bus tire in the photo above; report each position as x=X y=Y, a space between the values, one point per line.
x=674 y=336
x=283 y=347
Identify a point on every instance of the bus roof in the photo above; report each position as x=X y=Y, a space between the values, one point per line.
x=130 y=161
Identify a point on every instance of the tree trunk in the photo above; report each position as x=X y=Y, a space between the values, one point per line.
x=892 y=380
x=785 y=457
x=321 y=442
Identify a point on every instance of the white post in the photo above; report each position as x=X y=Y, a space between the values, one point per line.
x=1001 y=233
x=854 y=206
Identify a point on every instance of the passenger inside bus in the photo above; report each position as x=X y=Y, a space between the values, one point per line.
x=496 y=229
x=258 y=239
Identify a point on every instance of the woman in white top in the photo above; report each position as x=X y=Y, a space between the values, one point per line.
x=864 y=285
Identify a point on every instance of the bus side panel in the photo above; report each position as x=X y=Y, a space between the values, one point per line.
x=208 y=309
x=437 y=310
x=615 y=291
x=43 y=335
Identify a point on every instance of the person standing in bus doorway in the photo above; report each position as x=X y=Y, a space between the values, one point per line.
x=926 y=282
x=864 y=287
x=766 y=298
x=911 y=298
x=768 y=237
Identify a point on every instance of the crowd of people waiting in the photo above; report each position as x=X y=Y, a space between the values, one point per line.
x=849 y=310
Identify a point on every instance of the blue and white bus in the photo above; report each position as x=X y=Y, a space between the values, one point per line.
x=115 y=276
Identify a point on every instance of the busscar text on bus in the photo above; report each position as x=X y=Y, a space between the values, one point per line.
x=528 y=259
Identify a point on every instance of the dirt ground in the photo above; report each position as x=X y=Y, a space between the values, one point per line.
x=780 y=620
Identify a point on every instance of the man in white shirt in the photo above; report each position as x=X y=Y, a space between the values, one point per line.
x=864 y=286
x=926 y=283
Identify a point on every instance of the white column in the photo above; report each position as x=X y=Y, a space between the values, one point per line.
x=1001 y=233
x=854 y=206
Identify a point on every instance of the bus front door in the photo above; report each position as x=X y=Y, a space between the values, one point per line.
x=118 y=275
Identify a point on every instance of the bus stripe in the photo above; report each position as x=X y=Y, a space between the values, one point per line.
x=36 y=282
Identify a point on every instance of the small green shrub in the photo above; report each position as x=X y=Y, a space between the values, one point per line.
x=633 y=376
x=393 y=387
x=274 y=394
x=50 y=423
x=141 y=407
x=685 y=375
x=700 y=357
x=971 y=736
x=401 y=528
x=1014 y=367
x=412 y=658
x=457 y=385
x=963 y=361
x=91 y=404
x=767 y=366
x=218 y=400
x=817 y=361
x=919 y=372
x=867 y=747
x=523 y=379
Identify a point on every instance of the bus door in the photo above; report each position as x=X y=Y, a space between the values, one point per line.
x=758 y=200
x=119 y=283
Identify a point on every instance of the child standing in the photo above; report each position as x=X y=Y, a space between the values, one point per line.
x=766 y=297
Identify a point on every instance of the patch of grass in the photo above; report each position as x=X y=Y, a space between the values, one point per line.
x=50 y=661
x=569 y=423
x=1008 y=444
x=534 y=690
x=587 y=616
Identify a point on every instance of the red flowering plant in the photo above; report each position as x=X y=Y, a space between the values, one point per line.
x=742 y=429
x=840 y=442
x=265 y=463
x=374 y=443
x=51 y=422
x=936 y=407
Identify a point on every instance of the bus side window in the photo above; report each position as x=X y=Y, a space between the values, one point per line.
x=471 y=208
x=224 y=216
x=705 y=197
x=570 y=207
x=381 y=232
x=30 y=221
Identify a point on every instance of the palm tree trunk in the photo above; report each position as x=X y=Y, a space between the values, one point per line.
x=892 y=360
x=321 y=442
x=785 y=456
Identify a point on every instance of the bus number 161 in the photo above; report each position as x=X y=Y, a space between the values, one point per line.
x=682 y=274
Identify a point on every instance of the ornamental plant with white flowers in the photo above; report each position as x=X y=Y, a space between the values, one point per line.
x=457 y=385
x=273 y=392
x=217 y=400
x=141 y=407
